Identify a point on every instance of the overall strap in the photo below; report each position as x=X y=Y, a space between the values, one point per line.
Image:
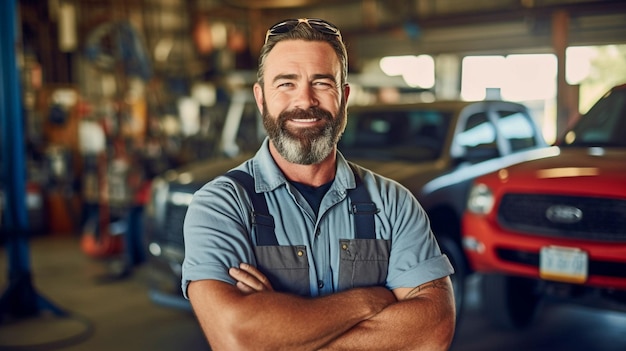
x=361 y=204
x=363 y=209
x=261 y=218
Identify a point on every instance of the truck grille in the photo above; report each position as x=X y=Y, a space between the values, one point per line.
x=175 y=208
x=173 y=231
x=601 y=219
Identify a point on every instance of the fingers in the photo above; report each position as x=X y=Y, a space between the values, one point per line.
x=244 y=288
x=249 y=279
x=257 y=275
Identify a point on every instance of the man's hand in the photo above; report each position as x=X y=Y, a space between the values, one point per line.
x=249 y=279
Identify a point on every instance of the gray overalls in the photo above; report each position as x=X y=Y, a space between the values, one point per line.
x=363 y=260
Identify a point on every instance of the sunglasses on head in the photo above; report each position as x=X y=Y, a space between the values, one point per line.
x=288 y=25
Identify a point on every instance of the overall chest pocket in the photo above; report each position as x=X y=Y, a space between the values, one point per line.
x=286 y=267
x=363 y=262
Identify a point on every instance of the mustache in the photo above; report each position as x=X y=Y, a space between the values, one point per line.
x=312 y=112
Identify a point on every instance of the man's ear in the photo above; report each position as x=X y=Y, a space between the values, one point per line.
x=258 y=96
x=346 y=91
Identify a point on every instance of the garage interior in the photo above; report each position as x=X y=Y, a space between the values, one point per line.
x=98 y=89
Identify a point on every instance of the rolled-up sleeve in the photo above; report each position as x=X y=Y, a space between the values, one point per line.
x=415 y=254
x=215 y=234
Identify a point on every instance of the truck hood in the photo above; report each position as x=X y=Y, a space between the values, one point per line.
x=412 y=175
x=581 y=171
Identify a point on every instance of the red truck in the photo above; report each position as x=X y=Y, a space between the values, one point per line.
x=554 y=226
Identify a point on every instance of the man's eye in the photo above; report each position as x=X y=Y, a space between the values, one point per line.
x=324 y=85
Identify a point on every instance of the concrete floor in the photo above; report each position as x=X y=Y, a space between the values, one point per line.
x=119 y=316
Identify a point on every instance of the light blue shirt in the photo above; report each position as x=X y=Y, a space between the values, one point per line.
x=218 y=223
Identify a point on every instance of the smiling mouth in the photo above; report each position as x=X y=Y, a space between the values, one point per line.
x=304 y=120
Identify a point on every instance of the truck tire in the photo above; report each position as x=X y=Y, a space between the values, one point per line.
x=509 y=302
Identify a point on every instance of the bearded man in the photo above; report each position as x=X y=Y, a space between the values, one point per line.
x=303 y=250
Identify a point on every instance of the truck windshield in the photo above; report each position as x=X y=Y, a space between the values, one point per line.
x=603 y=125
x=411 y=135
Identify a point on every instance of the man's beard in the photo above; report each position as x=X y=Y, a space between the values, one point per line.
x=308 y=145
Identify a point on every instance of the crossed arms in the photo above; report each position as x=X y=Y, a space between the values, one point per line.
x=252 y=316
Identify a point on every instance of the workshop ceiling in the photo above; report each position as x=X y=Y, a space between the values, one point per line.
x=394 y=27
x=391 y=27
x=371 y=28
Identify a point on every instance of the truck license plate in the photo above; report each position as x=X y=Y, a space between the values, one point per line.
x=563 y=264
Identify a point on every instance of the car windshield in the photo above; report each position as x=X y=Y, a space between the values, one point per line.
x=411 y=135
x=603 y=125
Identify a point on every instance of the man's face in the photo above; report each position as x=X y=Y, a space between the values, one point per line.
x=302 y=100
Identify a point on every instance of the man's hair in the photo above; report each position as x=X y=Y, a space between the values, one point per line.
x=304 y=32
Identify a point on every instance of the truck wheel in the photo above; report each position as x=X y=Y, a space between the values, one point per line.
x=455 y=255
x=509 y=302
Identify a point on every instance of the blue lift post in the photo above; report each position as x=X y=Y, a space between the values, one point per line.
x=20 y=299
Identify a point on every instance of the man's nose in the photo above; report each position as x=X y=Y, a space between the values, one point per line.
x=305 y=97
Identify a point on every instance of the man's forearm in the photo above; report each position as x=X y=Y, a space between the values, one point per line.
x=270 y=320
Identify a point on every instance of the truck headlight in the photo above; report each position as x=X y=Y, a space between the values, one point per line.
x=158 y=199
x=480 y=200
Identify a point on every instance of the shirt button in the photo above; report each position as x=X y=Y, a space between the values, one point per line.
x=320 y=284
x=318 y=232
